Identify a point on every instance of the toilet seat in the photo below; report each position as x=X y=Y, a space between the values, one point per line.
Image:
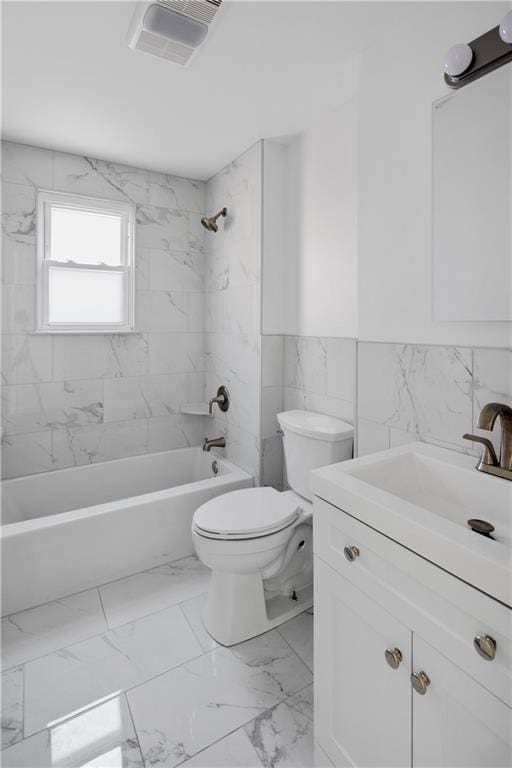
x=245 y=514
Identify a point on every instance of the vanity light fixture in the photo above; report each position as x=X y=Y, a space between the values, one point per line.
x=506 y=28
x=457 y=59
x=464 y=62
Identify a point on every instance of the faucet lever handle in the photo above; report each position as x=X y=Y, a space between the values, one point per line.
x=221 y=398
x=489 y=455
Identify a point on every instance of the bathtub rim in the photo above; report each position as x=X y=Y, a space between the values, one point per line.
x=10 y=530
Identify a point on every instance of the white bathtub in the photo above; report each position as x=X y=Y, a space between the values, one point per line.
x=69 y=530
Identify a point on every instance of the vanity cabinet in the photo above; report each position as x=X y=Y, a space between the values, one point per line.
x=383 y=615
x=361 y=703
x=457 y=722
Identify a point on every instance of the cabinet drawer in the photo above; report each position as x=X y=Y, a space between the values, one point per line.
x=444 y=610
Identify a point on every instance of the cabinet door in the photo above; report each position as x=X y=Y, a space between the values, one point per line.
x=457 y=722
x=362 y=705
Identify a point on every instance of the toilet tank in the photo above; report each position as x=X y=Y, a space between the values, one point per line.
x=312 y=440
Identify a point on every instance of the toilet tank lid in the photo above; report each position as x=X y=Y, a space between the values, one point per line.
x=315 y=425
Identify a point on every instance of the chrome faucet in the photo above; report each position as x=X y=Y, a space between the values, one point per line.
x=214 y=442
x=222 y=400
x=489 y=462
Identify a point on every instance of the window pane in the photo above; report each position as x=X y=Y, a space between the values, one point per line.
x=86 y=237
x=83 y=296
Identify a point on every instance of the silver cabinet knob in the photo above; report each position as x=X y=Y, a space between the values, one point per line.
x=351 y=553
x=485 y=645
x=420 y=682
x=393 y=657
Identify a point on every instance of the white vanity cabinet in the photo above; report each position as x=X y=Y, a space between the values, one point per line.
x=361 y=703
x=457 y=722
x=385 y=598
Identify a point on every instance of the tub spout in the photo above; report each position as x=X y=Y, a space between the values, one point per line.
x=214 y=442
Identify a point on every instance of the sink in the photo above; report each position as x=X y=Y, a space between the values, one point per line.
x=422 y=497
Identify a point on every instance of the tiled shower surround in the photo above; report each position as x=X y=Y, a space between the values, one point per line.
x=232 y=306
x=70 y=400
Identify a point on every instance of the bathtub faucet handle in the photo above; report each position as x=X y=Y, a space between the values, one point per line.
x=221 y=398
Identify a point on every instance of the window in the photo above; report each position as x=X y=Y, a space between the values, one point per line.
x=85 y=264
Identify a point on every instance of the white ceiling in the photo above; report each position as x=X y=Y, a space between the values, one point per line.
x=71 y=82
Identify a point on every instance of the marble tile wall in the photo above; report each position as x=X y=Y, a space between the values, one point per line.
x=233 y=339
x=431 y=393
x=320 y=375
x=69 y=400
x=308 y=373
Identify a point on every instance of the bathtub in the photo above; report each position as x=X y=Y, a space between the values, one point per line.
x=73 y=529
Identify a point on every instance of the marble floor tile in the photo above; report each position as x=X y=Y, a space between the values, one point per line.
x=193 y=610
x=298 y=632
x=39 y=631
x=67 y=680
x=180 y=713
x=233 y=751
x=150 y=591
x=102 y=737
x=12 y=706
x=283 y=736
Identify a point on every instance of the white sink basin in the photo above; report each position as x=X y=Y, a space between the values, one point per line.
x=422 y=497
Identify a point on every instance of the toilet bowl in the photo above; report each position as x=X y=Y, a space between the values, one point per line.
x=258 y=542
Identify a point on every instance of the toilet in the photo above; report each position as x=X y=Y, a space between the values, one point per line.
x=258 y=542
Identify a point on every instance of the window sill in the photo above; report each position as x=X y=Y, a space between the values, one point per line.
x=84 y=332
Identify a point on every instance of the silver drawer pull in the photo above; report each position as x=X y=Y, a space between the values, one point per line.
x=420 y=682
x=393 y=657
x=485 y=645
x=351 y=553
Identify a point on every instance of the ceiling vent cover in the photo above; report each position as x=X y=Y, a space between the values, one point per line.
x=172 y=29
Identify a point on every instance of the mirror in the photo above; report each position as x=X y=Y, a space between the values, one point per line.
x=472 y=201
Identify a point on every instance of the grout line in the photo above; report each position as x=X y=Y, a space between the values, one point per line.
x=103 y=608
x=217 y=741
x=245 y=724
x=23 y=704
x=180 y=605
x=130 y=713
x=291 y=646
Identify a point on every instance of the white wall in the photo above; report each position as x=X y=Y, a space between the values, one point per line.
x=279 y=294
x=357 y=200
x=312 y=180
x=394 y=206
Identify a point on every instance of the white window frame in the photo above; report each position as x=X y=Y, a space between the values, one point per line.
x=48 y=199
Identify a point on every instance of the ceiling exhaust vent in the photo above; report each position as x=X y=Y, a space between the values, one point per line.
x=172 y=29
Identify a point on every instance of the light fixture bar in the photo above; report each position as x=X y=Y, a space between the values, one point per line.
x=489 y=52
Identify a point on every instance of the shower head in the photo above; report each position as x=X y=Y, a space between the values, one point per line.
x=211 y=223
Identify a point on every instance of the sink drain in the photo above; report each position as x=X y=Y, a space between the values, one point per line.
x=481 y=526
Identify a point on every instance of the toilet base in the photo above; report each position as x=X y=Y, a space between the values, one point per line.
x=236 y=609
